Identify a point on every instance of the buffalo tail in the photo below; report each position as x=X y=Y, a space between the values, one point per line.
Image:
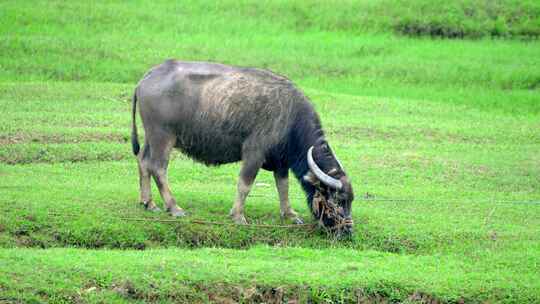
x=134 y=137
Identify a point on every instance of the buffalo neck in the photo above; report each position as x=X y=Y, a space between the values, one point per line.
x=304 y=133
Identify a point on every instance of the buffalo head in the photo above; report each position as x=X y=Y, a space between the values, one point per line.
x=333 y=195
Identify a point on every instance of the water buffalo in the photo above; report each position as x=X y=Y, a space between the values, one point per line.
x=219 y=114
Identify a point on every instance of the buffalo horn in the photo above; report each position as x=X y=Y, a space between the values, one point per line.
x=323 y=177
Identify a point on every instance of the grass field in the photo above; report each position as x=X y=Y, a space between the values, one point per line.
x=433 y=110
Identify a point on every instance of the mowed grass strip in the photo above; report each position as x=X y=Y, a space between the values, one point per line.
x=42 y=115
x=267 y=274
x=73 y=152
x=95 y=205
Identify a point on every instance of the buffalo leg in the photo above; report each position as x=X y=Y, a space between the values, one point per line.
x=144 y=179
x=282 y=185
x=161 y=144
x=248 y=173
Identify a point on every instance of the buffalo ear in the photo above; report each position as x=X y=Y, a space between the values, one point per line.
x=312 y=179
x=333 y=172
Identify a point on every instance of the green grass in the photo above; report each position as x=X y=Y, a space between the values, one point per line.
x=439 y=136
x=265 y=273
x=119 y=42
x=431 y=180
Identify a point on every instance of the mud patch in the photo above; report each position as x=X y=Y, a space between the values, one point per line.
x=59 y=153
x=226 y=293
x=391 y=243
x=22 y=137
x=407 y=133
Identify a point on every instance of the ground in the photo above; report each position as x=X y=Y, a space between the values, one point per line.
x=439 y=136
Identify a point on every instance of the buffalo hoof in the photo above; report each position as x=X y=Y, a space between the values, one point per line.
x=293 y=217
x=239 y=220
x=153 y=209
x=177 y=212
x=297 y=221
x=151 y=206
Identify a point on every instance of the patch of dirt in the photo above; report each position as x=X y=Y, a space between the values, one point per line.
x=273 y=295
x=355 y=132
x=403 y=134
x=127 y=290
x=423 y=298
x=449 y=169
x=224 y=293
x=21 y=138
x=45 y=157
